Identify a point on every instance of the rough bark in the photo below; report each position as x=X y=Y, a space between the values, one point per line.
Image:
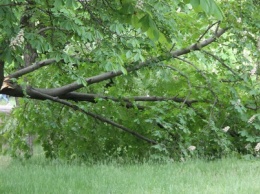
x=1 y=73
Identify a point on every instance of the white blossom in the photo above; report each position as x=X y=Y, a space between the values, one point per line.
x=225 y=129
x=191 y=148
x=248 y=146
x=253 y=71
x=18 y=40
x=139 y=4
x=239 y=20
x=257 y=147
x=251 y=120
x=238 y=102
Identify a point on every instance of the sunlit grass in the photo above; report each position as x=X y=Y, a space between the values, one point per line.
x=41 y=176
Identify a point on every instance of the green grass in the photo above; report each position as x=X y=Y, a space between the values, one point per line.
x=38 y=176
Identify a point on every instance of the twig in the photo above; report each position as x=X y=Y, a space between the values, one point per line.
x=201 y=73
x=221 y=62
x=208 y=30
x=45 y=29
x=185 y=101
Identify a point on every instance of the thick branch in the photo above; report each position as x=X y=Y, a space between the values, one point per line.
x=17 y=91
x=91 y=80
x=65 y=91
x=61 y=91
x=108 y=75
x=31 y=68
x=92 y=98
x=93 y=115
x=198 y=46
x=1 y=73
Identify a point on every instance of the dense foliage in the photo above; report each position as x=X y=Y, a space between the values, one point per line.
x=132 y=78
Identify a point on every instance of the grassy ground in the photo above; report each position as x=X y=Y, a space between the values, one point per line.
x=38 y=176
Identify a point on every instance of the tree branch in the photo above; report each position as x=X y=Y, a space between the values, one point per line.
x=93 y=115
x=61 y=91
x=211 y=26
x=188 y=81
x=45 y=29
x=92 y=98
x=222 y=63
x=109 y=75
x=198 y=46
x=32 y=68
x=17 y=91
x=1 y=73
x=201 y=73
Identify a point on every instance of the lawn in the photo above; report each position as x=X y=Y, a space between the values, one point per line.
x=38 y=176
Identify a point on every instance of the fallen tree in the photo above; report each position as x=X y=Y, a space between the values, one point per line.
x=124 y=59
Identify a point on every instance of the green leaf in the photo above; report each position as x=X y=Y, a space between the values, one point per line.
x=153 y=34
x=123 y=70
x=209 y=7
x=69 y=3
x=195 y=3
x=145 y=22
x=205 y=4
x=58 y=4
x=135 y=21
x=216 y=11
x=127 y=8
x=128 y=54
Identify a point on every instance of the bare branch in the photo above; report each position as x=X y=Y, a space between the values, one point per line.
x=208 y=30
x=1 y=73
x=91 y=98
x=17 y=91
x=198 y=46
x=91 y=80
x=45 y=29
x=32 y=68
x=256 y=108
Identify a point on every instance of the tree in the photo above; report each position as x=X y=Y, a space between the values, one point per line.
x=148 y=68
